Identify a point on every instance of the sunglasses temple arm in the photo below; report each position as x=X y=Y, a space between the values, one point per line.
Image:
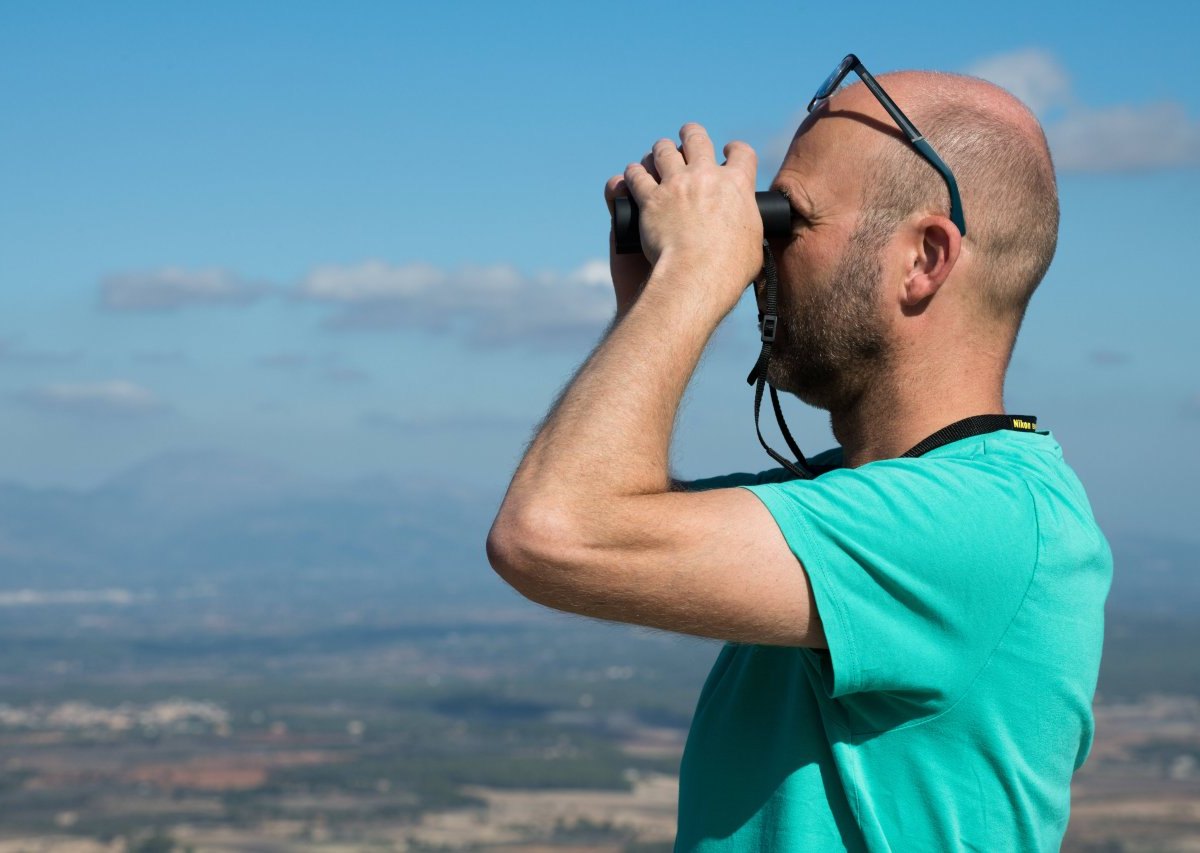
x=956 y=214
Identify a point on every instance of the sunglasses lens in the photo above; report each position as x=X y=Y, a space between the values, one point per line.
x=832 y=81
x=826 y=88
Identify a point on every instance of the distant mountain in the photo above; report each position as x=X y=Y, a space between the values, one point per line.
x=192 y=482
x=213 y=516
x=254 y=528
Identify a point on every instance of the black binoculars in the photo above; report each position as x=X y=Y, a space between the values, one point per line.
x=772 y=206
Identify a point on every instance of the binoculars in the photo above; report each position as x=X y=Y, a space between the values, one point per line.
x=772 y=206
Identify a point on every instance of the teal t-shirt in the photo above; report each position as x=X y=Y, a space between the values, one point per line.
x=962 y=597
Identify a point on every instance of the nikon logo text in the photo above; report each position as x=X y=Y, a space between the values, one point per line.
x=1020 y=424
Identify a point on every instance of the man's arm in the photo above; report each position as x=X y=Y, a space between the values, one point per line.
x=591 y=523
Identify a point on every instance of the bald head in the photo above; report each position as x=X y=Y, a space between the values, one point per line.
x=997 y=151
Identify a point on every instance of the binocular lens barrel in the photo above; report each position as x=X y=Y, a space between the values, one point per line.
x=772 y=206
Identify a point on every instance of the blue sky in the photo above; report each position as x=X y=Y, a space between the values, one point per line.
x=370 y=237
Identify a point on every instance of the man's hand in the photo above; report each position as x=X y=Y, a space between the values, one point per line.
x=700 y=215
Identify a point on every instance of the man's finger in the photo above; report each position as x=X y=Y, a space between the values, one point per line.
x=613 y=188
x=697 y=147
x=648 y=165
x=639 y=182
x=667 y=157
x=741 y=156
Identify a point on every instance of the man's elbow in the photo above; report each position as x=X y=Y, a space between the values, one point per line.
x=504 y=543
x=528 y=550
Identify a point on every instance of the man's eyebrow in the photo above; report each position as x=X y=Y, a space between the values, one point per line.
x=787 y=194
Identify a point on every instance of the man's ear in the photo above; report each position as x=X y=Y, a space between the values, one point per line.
x=933 y=254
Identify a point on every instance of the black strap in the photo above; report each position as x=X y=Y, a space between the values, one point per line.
x=787 y=436
x=802 y=468
x=758 y=375
x=974 y=425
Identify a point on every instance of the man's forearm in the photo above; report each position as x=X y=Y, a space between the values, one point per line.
x=609 y=434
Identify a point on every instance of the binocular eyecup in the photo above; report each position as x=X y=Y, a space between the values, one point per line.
x=772 y=206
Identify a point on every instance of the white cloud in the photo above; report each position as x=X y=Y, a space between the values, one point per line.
x=35 y=597
x=171 y=288
x=489 y=305
x=1118 y=138
x=1033 y=75
x=113 y=398
x=494 y=305
x=371 y=281
x=1125 y=138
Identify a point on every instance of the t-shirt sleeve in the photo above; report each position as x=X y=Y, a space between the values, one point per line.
x=917 y=567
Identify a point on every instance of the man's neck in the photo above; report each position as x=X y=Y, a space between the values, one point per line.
x=892 y=416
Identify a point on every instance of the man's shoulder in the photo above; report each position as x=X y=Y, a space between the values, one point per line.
x=1013 y=490
x=941 y=501
x=972 y=471
x=1004 y=458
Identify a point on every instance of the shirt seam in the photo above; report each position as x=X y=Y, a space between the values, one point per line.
x=817 y=560
x=1037 y=559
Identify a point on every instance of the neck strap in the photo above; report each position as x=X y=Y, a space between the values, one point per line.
x=802 y=468
x=974 y=425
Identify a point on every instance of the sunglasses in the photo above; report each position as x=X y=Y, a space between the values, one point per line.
x=852 y=63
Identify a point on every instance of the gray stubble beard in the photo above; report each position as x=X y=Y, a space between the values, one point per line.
x=832 y=345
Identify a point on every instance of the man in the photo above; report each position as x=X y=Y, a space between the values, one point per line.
x=913 y=641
